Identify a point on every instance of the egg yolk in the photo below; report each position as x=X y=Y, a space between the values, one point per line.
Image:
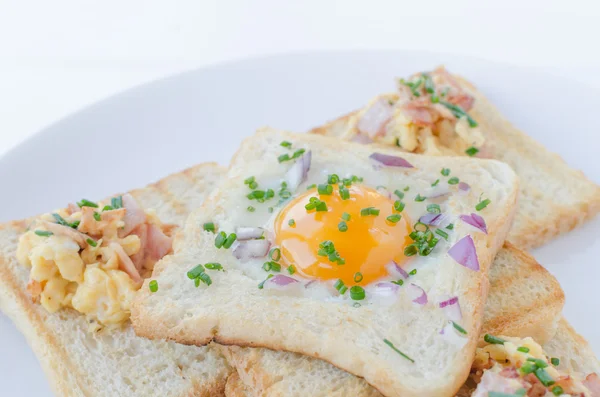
x=368 y=244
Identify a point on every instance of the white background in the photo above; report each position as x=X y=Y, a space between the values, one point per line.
x=59 y=56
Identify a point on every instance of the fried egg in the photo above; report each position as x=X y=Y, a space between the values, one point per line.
x=365 y=230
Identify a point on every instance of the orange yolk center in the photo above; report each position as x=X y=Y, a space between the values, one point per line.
x=367 y=246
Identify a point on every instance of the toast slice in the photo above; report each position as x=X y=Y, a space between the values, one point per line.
x=553 y=197
x=233 y=309
x=258 y=375
x=518 y=285
x=119 y=363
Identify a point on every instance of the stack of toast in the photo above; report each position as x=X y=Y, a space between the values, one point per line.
x=228 y=337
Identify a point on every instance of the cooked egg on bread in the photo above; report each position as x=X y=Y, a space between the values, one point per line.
x=520 y=367
x=371 y=260
x=92 y=257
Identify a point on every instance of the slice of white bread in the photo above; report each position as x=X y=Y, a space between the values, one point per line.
x=116 y=363
x=232 y=310
x=265 y=373
x=553 y=197
x=524 y=300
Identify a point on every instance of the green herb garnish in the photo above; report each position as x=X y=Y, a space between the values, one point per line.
x=343 y=226
x=453 y=181
x=390 y=344
x=214 y=266
x=358 y=277
x=91 y=242
x=153 y=285
x=420 y=198
x=292 y=222
x=369 y=211
x=492 y=340
x=262 y=283
x=287 y=157
x=435 y=183
x=326 y=248
x=445 y=171
x=275 y=254
x=442 y=233
x=325 y=189
x=340 y=287
x=291 y=269
x=544 y=377
x=555 y=361
x=459 y=328
x=271 y=266
x=116 y=202
x=43 y=233
x=434 y=209
x=399 y=205
x=399 y=194
x=482 y=204
x=357 y=293
x=86 y=203
x=472 y=151
x=458 y=113
x=557 y=390
x=523 y=349
x=209 y=227
x=97 y=216
x=346 y=216
x=394 y=218
x=286 y=144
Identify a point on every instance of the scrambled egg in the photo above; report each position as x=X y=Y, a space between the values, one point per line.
x=90 y=272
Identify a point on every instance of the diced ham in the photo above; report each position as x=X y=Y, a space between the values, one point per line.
x=592 y=382
x=373 y=121
x=421 y=114
x=134 y=215
x=125 y=263
x=66 y=231
x=158 y=244
x=492 y=381
x=441 y=74
x=72 y=208
x=138 y=258
x=464 y=100
x=509 y=372
x=90 y=225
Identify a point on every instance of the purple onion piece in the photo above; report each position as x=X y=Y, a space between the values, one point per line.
x=390 y=161
x=431 y=219
x=465 y=253
x=475 y=220
x=417 y=294
x=251 y=249
x=447 y=302
x=248 y=233
x=299 y=171
x=282 y=280
x=394 y=268
x=451 y=309
x=464 y=186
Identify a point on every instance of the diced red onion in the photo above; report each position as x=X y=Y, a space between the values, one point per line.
x=394 y=269
x=465 y=253
x=245 y=250
x=375 y=118
x=386 y=288
x=248 y=233
x=464 y=186
x=384 y=192
x=362 y=139
x=475 y=220
x=282 y=280
x=390 y=161
x=299 y=171
x=416 y=294
x=451 y=309
x=431 y=219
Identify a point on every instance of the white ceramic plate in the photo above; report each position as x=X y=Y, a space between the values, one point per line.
x=150 y=131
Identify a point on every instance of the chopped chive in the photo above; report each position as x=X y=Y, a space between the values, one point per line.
x=492 y=340
x=214 y=266
x=283 y=157
x=453 y=181
x=86 y=203
x=459 y=328
x=311 y=186
x=271 y=266
x=459 y=112
x=399 y=205
x=410 y=250
x=333 y=179
x=398 y=142
x=291 y=269
x=340 y=286
x=527 y=368
x=406 y=189
x=107 y=208
x=472 y=151
x=358 y=277
x=292 y=222
x=262 y=283
x=450 y=226
x=343 y=226
x=413 y=272
x=153 y=285
x=344 y=193
x=429 y=86
x=483 y=204
x=555 y=361
x=436 y=182
x=357 y=293
x=394 y=218
x=229 y=240
x=399 y=194
x=256 y=195
x=286 y=144
x=43 y=233
x=220 y=239
x=398 y=282
x=434 y=209
x=346 y=216
x=325 y=189
x=557 y=390
x=523 y=349
x=544 y=377
x=117 y=202
x=270 y=193
x=445 y=171
x=250 y=209
x=91 y=242
x=195 y=272
x=275 y=254
x=322 y=206
x=61 y=221
x=420 y=198
x=97 y=216
x=538 y=361
x=369 y=211
x=442 y=233
x=209 y=227
x=390 y=344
